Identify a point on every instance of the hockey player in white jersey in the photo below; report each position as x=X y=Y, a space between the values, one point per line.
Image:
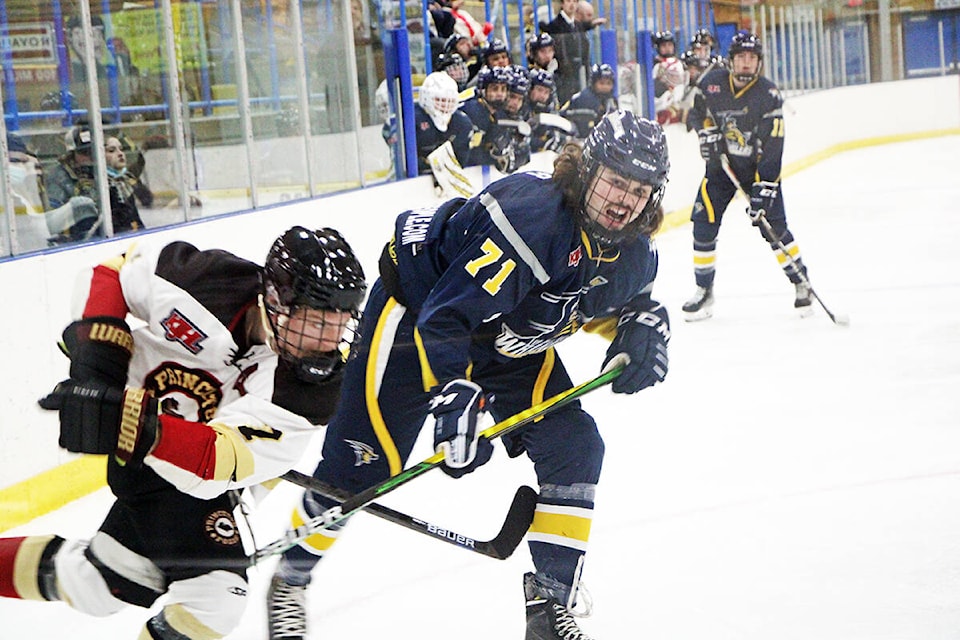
x=222 y=388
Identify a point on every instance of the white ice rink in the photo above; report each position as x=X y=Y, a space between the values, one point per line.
x=791 y=479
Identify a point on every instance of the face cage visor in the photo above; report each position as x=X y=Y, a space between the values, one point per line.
x=593 y=204
x=315 y=342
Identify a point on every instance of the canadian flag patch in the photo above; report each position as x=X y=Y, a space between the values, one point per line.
x=573 y=260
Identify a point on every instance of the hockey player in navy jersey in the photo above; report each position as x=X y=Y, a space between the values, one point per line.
x=472 y=298
x=739 y=114
x=221 y=388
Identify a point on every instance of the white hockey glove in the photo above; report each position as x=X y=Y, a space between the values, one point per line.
x=448 y=174
x=456 y=410
x=762 y=197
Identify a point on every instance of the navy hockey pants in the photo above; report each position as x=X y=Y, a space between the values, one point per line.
x=716 y=192
x=384 y=405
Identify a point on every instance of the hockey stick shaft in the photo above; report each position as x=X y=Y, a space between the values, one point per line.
x=358 y=501
x=514 y=527
x=771 y=237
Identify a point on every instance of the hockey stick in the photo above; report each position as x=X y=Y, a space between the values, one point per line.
x=500 y=547
x=838 y=319
x=360 y=500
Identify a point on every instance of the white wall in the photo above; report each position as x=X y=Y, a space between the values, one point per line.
x=38 y=289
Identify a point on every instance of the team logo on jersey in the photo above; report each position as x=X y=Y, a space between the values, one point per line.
x=221 y=528
x=180 y=329
x=185 y=390
x=713 y=88
x=543 y=335
x=573 y=260
x=364 y=452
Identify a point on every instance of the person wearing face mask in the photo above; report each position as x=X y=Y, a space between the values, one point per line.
x=473 y=297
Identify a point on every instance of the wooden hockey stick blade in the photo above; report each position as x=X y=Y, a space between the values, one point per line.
x=514 y=527
x=358 y=501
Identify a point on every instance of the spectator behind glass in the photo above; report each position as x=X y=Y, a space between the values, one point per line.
x=572 y=50
x=73 y=195
x=124 y=187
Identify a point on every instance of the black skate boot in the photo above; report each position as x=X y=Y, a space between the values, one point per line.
x=286 y=610
x=700 y=306
x=804 y=301
x=547 y=619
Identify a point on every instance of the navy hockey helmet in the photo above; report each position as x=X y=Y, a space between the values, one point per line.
x=703 y=38
x=690 y=59
x=518 y=79
x=542 y=78
x=537 y=42
x=451 y=45
x=745 y=41
x=313 y=270
x=494 y=47
x=635 y=148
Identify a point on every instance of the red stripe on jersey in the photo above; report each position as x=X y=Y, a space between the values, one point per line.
x=8 y=557
x=188 y=445
x=105 y=297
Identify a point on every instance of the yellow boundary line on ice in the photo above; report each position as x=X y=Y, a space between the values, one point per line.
x=52 y=489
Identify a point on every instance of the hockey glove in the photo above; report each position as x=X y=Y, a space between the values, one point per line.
x=456 y=409
x=99 y=418
x=762 y=196
x=643 y=336
x=99 y=349
x=710 y=140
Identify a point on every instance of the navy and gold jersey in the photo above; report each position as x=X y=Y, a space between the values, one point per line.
x=429 y=138
x=750 y=118
x=510 y=273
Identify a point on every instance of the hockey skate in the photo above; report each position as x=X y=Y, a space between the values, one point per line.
x=286 y=610
x=547 y=619
x=700 y=306
x=804 y=300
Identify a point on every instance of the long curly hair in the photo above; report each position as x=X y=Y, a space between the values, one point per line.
x=566 y=174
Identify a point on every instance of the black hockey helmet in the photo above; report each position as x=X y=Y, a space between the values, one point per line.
x=745 y=41
x=690 y=59
x=450 y=45
x=703 y=37
x=663 y=37
x=634 y=147
x=601 y=72
x=315 y=270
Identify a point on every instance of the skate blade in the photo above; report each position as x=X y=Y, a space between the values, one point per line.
x=696 y=316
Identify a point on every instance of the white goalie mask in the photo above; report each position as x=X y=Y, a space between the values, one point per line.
x=382 y=100
x=439 y=97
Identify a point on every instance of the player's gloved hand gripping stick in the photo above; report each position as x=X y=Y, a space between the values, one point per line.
x=757 y=217
x=360 y=500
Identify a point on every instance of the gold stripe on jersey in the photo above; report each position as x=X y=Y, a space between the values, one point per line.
x=26 y=567
x=116 y=262
x=376 y=363
x=540 y=384
x=187 y=624
x=561 y=525
x=316 y=543
x=605 y=327
x=234 y=459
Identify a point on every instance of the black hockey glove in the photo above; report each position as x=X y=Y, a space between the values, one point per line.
x=710 y=141
x=762 y=196
x=100 y=418
x=456 y=409
x=99 y=348
x=643 y=336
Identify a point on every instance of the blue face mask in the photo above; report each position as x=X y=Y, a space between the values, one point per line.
x=113 y=173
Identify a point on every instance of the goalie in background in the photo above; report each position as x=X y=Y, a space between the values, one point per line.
x=220 y=388
x=443 y=135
